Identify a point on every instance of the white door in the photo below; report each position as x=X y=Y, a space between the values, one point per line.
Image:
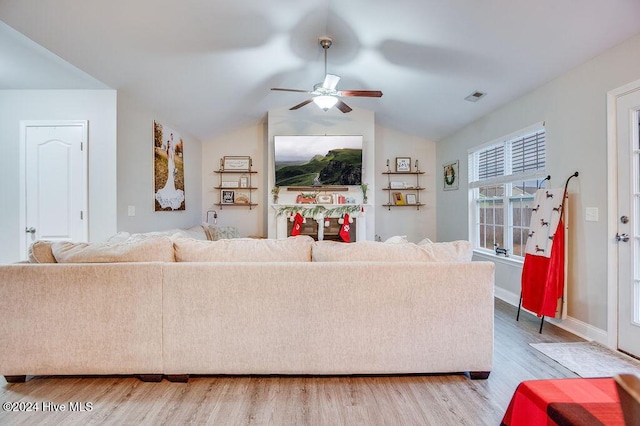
x=628 y=237
x=54 y=199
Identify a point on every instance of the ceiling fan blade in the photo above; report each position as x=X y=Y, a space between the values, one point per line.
x=343 y=107
x=363 y=93
x=301 y=104
x=290 y=90
x=330 y=81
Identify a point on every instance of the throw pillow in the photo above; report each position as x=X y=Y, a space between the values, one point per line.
x=215 y=233
x=398 y=239
x=40 y=252
x=425 y=241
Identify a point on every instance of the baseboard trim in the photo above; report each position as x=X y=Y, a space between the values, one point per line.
x=572 y=325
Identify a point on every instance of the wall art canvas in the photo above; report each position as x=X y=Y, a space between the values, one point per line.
x=318 y=160
x=168 y=166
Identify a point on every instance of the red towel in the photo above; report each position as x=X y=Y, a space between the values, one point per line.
x=543 y=278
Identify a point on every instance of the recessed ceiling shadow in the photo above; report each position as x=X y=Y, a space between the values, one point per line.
x=431 y=59
x=304 y=38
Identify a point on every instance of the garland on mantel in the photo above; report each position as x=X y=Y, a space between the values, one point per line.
x=320 y=210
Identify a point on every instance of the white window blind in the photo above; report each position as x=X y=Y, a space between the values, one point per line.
x=518 y=157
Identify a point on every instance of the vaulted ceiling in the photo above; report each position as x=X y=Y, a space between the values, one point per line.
x=207 y=66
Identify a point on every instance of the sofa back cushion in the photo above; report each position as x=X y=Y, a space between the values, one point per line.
x=293 y=249
x=331 y=251
x=40 y=252
x=152 y=249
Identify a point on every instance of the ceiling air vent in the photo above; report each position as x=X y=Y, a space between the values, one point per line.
x=475 y=96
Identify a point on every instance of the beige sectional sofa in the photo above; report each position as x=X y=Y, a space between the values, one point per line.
x=174 y=307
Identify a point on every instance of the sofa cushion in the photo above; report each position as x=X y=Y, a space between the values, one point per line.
x=152 y=249
x=293 y=249
x=332 y=251
x=40 y=252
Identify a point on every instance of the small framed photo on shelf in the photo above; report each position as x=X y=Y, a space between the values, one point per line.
x=241 y=198
x=324 y=199
x=398 y=199
x=236 y=163
x=227 y=197
x=244 y=181
x=403 y=164
x=229 y=184
x=411 y=199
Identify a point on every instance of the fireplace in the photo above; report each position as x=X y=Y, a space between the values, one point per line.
x=328 y=229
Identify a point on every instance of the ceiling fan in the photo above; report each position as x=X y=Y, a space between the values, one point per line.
x=325 y=94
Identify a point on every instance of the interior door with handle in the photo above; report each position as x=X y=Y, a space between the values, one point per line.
x=55 y=181
x=627 y=237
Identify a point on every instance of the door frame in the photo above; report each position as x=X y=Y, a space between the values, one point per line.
x=612 y=209
x=24 y=124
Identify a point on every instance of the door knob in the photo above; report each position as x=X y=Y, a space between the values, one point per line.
x=30 y=230
x=622 y=237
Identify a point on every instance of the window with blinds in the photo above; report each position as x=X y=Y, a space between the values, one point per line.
x=503 y=177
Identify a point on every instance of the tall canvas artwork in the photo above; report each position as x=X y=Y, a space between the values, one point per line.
x=168 y=168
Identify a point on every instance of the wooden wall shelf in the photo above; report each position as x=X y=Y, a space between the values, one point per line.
x=318 y=188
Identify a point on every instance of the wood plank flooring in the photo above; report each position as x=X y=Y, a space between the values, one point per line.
x=274 y=400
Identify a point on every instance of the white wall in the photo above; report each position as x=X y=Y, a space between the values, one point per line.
x=249 y=141
x=574 y=109
x=415 y=224
x=135 y=173
x=96 y=106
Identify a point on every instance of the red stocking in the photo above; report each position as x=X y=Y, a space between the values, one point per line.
x=297 y=224
x=344 y=230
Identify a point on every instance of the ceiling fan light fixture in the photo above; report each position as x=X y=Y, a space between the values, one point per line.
x=325 y=102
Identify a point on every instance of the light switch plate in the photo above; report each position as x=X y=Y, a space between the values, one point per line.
x=591 y=214
x=131 y=210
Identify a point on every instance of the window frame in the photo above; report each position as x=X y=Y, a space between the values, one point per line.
x=508 y=180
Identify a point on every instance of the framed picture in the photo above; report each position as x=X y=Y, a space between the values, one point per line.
x=229 y=184
x=236 y=163
x=324 y=199
x=227 y=197
x=403 y=164
x=450 y=175
x=411 y=199
x=244 y=182
x=168 y=168
x=241 y=198
x=398 y=199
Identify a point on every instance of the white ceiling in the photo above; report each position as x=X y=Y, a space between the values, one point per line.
x=207 y=66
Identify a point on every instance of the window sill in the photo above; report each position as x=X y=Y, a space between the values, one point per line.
x=492 y=257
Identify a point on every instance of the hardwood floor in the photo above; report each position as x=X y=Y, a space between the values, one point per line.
x=230 y=400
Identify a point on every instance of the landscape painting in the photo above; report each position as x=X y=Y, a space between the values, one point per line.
x=318 y=160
